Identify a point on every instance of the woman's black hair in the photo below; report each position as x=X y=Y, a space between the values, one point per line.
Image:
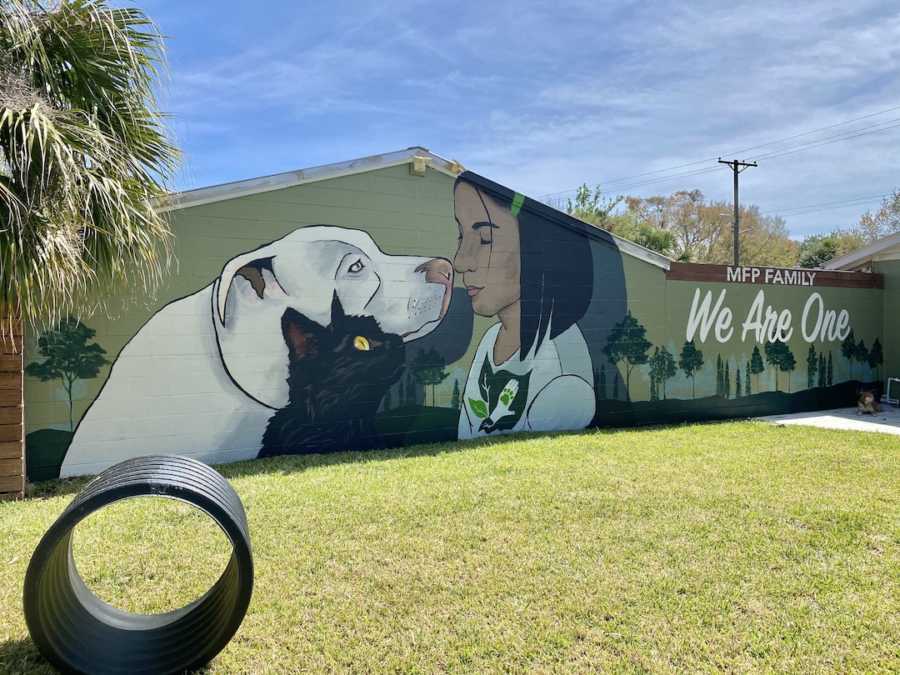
x=557 y=272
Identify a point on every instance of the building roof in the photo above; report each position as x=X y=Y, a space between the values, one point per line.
x=279 y=181
x=887 y=248
x=413 y=155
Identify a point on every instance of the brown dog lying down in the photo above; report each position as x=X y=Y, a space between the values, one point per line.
x=867 y=404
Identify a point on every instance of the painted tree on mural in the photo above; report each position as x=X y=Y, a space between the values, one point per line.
x=662 y=367
x=861 y=353
x=781 y=358
x=772 y=359
x=454 y=397
x=428 y=369
x=68 y=357
x=726 y=382
x=720 y=377
x=615 y=387
x=691 y=361
x=848 y=350
x=876 y=358
x=600 y=382
x=737 y=382
x=829 y=371
x=787 y=363
x=627 y=343
x=756 y=364
x=822 y=370
x=747 y=389
x=812 y=366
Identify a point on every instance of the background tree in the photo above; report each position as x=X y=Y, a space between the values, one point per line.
x=68 y=357
x=592 y=206
x=812 y=367
x=84 y=153
x=848 y=351
x=627 y=343
x=690 y=361
x=876 y=358
x=883 y=222
x=756 y=364
x=818 y=249
x=428 y=369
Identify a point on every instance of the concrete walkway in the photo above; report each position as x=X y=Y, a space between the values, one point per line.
x=886 y=422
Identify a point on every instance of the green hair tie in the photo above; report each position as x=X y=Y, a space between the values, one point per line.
x=517 y=203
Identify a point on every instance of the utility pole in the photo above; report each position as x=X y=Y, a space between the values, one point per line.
x=736 y=167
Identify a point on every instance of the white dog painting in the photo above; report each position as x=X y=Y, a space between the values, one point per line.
x=207 y=372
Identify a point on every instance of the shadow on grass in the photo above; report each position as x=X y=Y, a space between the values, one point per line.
x=290 y=464
x=22 y=656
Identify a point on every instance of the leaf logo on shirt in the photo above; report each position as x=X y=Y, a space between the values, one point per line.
x=503 y=398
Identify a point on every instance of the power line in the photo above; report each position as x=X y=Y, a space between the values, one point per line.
x=741 y=151
x=862 y=131
x=825 y=206
x=833 y=139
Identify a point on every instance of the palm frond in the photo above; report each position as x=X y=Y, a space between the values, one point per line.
x=85 y=157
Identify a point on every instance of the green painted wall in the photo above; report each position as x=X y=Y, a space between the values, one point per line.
x=404 y=213
x=631 y=304
x=891 y=308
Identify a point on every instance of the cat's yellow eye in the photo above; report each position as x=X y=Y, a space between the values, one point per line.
x=361 y=343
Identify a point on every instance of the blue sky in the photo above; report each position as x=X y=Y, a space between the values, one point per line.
x=545 y=96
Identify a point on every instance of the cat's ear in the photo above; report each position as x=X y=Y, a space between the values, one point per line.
x=337 y=313
x=302 y=335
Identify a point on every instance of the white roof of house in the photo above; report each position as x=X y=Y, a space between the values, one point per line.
x=887 y=248
x=279 y=181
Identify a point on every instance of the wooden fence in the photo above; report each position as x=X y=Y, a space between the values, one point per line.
x=12 y=443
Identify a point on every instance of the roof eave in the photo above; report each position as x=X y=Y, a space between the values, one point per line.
x=279 y=181
x=863 y=255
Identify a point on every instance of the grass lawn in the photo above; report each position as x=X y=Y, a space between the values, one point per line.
x=738 y=546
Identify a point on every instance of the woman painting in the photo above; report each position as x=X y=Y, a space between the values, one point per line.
x=524 y=264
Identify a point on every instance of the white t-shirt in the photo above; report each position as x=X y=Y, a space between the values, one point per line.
x=550 y=390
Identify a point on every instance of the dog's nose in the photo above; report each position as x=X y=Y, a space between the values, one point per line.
x=438 y=271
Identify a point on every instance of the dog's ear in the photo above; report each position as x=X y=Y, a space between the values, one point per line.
x=337 y=313
x=257 y=268
x=302 y=335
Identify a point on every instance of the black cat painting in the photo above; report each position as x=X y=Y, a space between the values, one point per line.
x=338 y=375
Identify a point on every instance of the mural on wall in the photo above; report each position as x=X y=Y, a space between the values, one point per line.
x=313 y=326
x=321 y=341
x=532 y=369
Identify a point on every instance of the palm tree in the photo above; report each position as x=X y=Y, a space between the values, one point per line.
x=84 y=156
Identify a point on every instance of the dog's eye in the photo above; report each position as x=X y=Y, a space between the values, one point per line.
x=361 y=343
x=356 y=267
